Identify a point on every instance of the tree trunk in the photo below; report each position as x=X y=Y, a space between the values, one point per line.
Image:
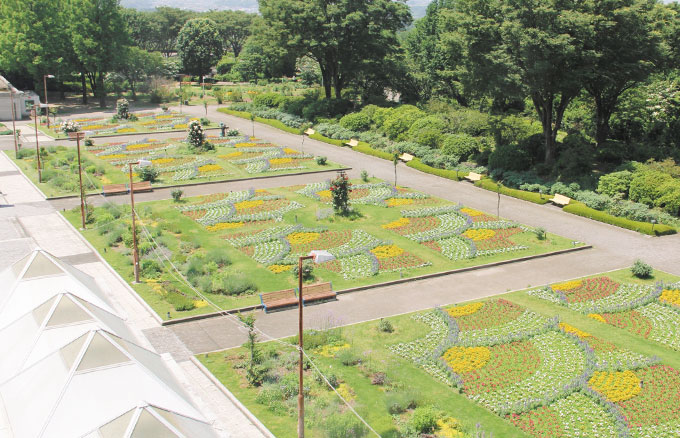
x=132 y=89
x=326 y=79
x=102 y=91
x=83 y=84
x=602 y=117
x=237 y=49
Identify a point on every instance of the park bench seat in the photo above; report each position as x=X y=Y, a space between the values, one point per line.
x=472 y=176
x=114 y=189
x=142 y=186
x=352 y=143
x=406 y=157
x=278 y=299
x=318 y=292
x=560 y=200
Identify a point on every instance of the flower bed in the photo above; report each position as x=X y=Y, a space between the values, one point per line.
x=652 y=321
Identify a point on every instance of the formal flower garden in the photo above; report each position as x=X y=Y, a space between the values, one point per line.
x=261 y=234
x=517 y=365
x=174 y=160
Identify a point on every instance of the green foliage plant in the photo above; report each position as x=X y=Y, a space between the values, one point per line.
x=641 y=269
x=340 y=189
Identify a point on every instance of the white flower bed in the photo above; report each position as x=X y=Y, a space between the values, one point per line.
x=361 y=241
x=527 y=323
x=271 y=251
x=450 y=224
x=358 y=266
x=456 y=248
x=665 y=322
x=583 y=417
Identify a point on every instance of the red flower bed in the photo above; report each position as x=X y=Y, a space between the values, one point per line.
x=433 y=245
x=417 y=225
x=492 y=314
x=542 y=422
x=659 y=400
x=592 y=289
x=499 y=240
x=404 y=260
x=195 y=214
x=326 y=240
x=333 y=266
x=630 y=320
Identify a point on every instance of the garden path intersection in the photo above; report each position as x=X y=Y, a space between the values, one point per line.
x=613 y=248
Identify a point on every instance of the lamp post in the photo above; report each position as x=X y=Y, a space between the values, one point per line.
x=301 y=396
x=14 y=125
x=47 y=107
x=79 y=135
x=307 y=132
x=135 y=253
x=37 y=148
x=181 y=94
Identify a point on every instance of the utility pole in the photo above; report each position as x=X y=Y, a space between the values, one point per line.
x=37 y=147
x=80 y=179
x=14 y=116
x=135 y=254
x=301 y=395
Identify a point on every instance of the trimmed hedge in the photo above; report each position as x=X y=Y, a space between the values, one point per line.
x=536 y=198
x=448 y=174
x=580 y=209
x=271 y=122
x=366 y=148
x=319 y=137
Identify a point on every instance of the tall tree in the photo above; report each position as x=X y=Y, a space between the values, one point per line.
x=144 y=28
x=138 y=65
x=234 y=28
x=538 y=45
x=99 y=39
x=626 y=48
x=199 y=46
x=170 y=21
x=34 y=39
x=344 y=36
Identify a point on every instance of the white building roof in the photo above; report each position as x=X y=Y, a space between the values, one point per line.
x=82 y=388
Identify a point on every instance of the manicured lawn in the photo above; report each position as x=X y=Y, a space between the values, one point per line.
x=516 y=364
x=104 y=163
x=234 y=244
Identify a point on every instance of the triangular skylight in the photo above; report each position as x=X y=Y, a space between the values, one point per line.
x=101 y=352
x=117 y=427
x=41 y=266
x=150 y=426
x=67 y=312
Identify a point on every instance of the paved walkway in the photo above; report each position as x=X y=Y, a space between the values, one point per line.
x=27 y=221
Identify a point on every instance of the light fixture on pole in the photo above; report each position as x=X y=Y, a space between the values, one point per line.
x=135 y=253
x=34 y=113
x=79 y=135
x=47 y=107
x=14 y=116
x=301 y=396
x=307 y=132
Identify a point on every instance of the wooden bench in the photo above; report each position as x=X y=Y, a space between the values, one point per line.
x=318 y=292
x=142 y=186
x=114 y=189
x=309 y=131
x=406 y=157
x=560 y=200
x=281 y=298
x=352 y=143
x=474 y=177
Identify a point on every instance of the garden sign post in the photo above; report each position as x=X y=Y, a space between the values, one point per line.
x=301 y=395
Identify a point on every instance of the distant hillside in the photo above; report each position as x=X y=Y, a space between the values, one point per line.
x=417 y=6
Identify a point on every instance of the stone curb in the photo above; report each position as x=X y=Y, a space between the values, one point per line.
x=386 y=283
x=249 y=415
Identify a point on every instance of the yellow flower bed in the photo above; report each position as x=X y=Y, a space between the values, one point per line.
x=231 y=155
x=479 y=234
x=387 y=251
x=133 y=147
x=670 y=296
x=245 y=145
x=396 y=202
x=290 y=151
x=345 y=392
x=465 y=359
x=209 y=168
x=616 y=386
x=180 y=126
x=573 y=330
x=398 y=223
x=126 y=130
x=467 y=309
x=302 y=238
x=159 y=161
x=96 y=127
x=471 y=212
x=105 y=179
x=324 y=193
x=569 y=285
x=114 y=156
x=243 y=205
x=200 y=303
x=329 y=350
x=449 y=427
x=597 y=317
x=280 y=160
x=169 y=116
x=224 y=226
x=277 y=269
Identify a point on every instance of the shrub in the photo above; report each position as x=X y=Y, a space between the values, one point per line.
x=307 y=270
x=177 y=194
x=580 y=209
x=150 y=268
x=460 y=146
x=149 y=173
x=332 y=380
x=615 y=183
x=219 y=256
x=670 y=197
x=364 y=176
x=398 y=402
x=180 y=302
x=205 y=121
x=424 y=419
x=270 y=100
x=564 y=189
x=510 y=157
x=400 y=120
x=641 y=269
x=344 y=425
x=385 y=326
x=356 y=121
x=321 y=161
x=340 y=189
x=23 y=153
x=89 y=142
x=576 y=157
x=469 y=121
x=645 y=187
x=347 y=357
x=237 y=284
x=417 y=164
x=427 y=131
x=540 y=233
x=195 y=134
x=593 y=200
